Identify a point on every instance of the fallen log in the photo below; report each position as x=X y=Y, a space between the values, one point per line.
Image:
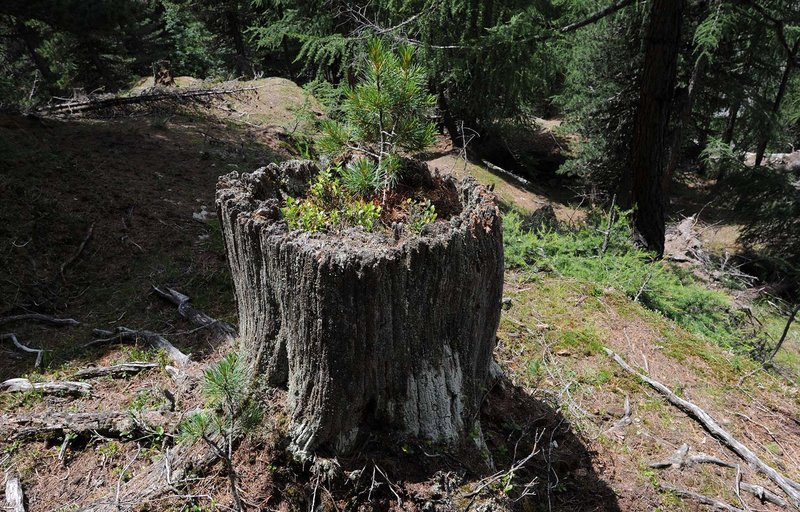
x=15 y=498
x=13 y=337
x=109 y=423
x=54 y=387
x=74 y=107
x=153 y=339
x=119 y=370
x=195 y=316
x=788 y=486
x=38 y=317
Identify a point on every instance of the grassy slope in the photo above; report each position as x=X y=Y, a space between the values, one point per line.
x=58 y=177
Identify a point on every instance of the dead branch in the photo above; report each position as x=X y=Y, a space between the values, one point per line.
x=123 y=334
x=53 y=387
x=681 y=459
x=611 y=9
x=77 y=253
x=38 y=317
x=791 y=488
x=15 y=498
x=785 y=332
x=765 y=495
x=119 y=370
x=705 y=500
x=625 y=420
x=196 y=317
x=13 y=337
x=150 y=96
x=110 y=423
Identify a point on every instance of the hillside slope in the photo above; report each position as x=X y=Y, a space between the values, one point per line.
x=134 y=182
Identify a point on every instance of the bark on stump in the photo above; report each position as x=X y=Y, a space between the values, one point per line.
x=368 y=332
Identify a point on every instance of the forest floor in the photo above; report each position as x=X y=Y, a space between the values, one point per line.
x=138 y=183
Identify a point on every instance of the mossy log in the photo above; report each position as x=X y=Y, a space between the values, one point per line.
x=369 y=332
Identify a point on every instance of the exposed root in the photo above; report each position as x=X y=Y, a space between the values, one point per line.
x=791 y=488
x=705 y=500
x=13 y=337
x=38 y=317
x=55 y=387
x=110 y=423
x=196 y=317
x=15 y=498
x=119 y=370
x=151 y=338
x=77 y=253
x=681 y=458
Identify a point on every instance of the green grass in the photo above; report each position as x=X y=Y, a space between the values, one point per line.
x=659 y=286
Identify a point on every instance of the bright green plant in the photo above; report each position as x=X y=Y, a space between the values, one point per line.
x=385 y=113
x=229 y=414
x=362 y=177
x=420 y=214
x=331 y=203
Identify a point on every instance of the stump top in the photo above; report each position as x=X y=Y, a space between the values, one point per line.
x=255 y=198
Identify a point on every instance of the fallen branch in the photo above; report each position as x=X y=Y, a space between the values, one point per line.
x=119 y=370
x=681 y=458
x=77 y=253
x=764 y=495
x=153 y=339
x=13 y=337
x=791 y=488
x=109 y=423
x=54 y=387
x=15 y=498
x=705 y=500
x=196 y=317
x=73 y=107
x=38 y=317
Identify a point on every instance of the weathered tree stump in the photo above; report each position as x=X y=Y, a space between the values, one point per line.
x=368 y=332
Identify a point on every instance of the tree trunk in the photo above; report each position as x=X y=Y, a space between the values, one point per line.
x=648 y=149
x=776 y=105
x=368 y=332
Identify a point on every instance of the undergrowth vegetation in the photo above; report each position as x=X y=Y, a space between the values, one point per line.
x=600 y=253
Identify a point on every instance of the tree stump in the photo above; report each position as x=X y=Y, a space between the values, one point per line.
x=370 y=333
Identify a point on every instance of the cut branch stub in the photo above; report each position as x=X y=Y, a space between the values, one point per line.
x=366 y=331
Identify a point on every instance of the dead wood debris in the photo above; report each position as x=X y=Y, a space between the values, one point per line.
x=705 y=500
x=53 y=387
x=110 y=423
x=104 y=102
x=118 y=370
x=38 y=317
x=155 y=340
x=13 y=337
x=788 y=486
x=77 y=253
x=196 y=317
x=681 y=458
x=763 y=494
x=15 y=498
